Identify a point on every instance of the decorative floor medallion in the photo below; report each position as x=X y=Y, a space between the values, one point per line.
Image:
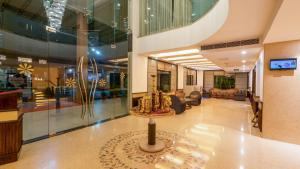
x=123 y=152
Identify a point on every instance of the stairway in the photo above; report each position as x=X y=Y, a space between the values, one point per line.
x=40 y=98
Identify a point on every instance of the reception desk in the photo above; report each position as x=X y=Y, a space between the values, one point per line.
x=11 y=119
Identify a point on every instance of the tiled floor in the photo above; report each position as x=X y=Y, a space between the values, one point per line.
x=220 y=128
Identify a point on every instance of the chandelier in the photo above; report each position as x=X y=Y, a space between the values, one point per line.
x=55 y=10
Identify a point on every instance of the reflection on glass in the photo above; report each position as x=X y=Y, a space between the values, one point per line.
x=43 y=63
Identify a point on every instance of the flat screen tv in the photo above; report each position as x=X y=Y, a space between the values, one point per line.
x=283 y=64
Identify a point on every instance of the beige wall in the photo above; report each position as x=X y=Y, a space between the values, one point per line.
x=281 y=113
x=153 y=66
x=180 y=74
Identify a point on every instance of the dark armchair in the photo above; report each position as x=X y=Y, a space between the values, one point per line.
x=196 y=97
x=177 y=104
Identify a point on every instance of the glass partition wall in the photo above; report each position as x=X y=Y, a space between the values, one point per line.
x=72 y=67
x=162 y=15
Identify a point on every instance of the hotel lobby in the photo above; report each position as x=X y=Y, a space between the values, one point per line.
x=149 y=84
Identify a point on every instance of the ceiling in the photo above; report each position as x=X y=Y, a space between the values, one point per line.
x=190 y=58
x=286 y=24
x=233 y=59
x=247 y=19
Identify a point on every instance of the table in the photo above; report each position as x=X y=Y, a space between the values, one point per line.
x=151 y=144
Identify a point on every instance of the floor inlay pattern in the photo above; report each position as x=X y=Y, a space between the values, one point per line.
x=123 y=152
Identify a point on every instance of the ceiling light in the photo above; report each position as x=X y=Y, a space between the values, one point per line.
x=182 y=52
x=191 y=61
x=196 y=67
x=55 y=10
x=197 y=63
x=244 y=52
x=184 y=57
x=119 y=60
x=244 y=61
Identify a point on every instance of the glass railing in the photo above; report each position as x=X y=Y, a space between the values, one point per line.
x=162 y=15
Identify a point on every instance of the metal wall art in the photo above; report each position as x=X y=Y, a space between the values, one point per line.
x=25 y=69
x=87 y=93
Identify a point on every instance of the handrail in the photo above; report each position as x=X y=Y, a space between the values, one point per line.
x=185 y=13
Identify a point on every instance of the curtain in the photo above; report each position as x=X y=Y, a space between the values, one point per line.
x=161 y=15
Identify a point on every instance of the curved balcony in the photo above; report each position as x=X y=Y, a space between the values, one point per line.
x=170 y=24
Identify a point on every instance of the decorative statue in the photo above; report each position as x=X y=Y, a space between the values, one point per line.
x=166 y=103
x=145 y=104
x=156 y=101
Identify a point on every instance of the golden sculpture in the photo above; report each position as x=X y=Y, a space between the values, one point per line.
x=145 y=104
x=166 y=103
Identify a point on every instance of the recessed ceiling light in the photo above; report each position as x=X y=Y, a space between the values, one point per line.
x=184 y=57
x=244 y=61
x=244 y=52
x=197 y=63
x=181 y=52
x=191 y=61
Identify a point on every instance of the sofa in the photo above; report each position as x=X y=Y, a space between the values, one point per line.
x=177 y=104
x=223 y=93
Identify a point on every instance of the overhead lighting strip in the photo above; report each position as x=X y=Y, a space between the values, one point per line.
x=184 y=57
x=197 y=63
x=177 y=53
x=191 y=61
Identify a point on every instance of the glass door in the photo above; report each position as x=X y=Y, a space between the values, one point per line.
x=72 y=69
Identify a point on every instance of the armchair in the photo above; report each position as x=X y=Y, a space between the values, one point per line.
x=197 y=97
x=178 y=105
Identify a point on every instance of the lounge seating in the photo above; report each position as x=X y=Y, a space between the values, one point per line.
x=178 y=105
x=226 y=94
x=240 y=96
x=196 y=97
x=180 y=94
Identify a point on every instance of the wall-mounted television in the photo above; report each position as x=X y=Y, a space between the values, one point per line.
x=283 y=64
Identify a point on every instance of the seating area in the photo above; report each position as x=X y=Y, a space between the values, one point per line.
x=235 y=94
x=181 y=102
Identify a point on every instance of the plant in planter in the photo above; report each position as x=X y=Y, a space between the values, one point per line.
x=224 y=82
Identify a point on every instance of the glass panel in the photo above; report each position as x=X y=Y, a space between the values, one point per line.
x=162 y=15
x=57 y=67
x=23 y=65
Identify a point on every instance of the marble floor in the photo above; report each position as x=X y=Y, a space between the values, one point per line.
x=48 y=122
x=219 y=130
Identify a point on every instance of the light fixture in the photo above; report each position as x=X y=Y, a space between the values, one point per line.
x=183 y=57
x=191 y=61
x=98 y=53
x=2 y=57
x=181 y=52
x=197 y=63
x=244 y=52
x=244 y=61
x=119 y=60
x=55 y=10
